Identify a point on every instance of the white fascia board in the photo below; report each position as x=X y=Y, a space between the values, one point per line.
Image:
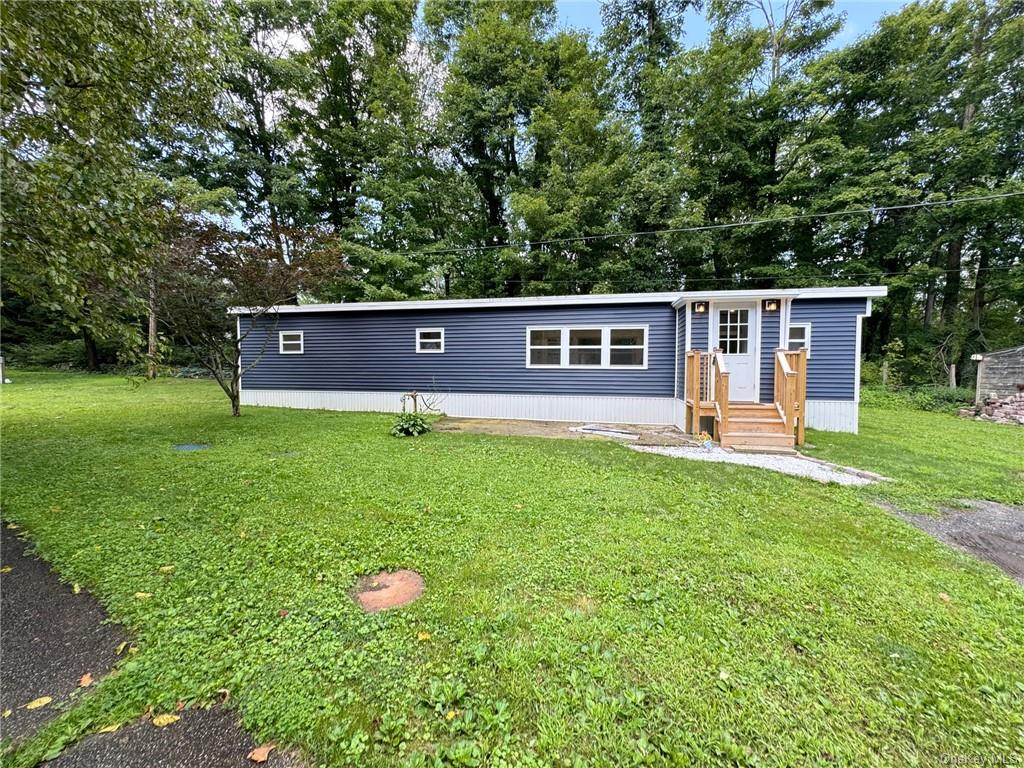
x=525 y=301
x=837 y=292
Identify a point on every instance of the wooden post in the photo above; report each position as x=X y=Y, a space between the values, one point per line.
x=885 y=373
x=952 y=374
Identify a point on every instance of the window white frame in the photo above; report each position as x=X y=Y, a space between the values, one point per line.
x=606 y=334
x=419 y=341
x=281 y=341
x=806 y=340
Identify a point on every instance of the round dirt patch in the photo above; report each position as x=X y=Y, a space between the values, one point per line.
x=380 y=591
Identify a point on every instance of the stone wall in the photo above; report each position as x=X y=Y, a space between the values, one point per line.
x=1006 y=410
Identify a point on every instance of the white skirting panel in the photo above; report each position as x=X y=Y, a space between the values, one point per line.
x=614 y=410
x=832 y=415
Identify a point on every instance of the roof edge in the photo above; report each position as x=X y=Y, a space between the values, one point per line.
x=676 y=298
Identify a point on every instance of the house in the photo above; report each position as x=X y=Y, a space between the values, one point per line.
x=754 y=367
x=1000 y=374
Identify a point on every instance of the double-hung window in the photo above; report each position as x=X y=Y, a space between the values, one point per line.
x=602 y=347
x=290 y=342
x=430 y=340
x=799 y=337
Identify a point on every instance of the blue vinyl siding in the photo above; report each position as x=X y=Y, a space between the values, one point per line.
x=769 y=343
x=680 y=350
x=485 y=351
x=833 y=363
x=699 y=331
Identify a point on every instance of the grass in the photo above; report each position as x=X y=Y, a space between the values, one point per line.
x=585 y=604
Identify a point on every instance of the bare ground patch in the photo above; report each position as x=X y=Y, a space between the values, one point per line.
x=988 y=530
x=649 y=434
x=387 y=589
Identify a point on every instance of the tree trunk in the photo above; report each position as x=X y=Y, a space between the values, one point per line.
x=151 y=345
x=92 y=356
x=951 y=289
x=981 y=283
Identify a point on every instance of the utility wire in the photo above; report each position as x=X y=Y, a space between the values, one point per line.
x=711 y=227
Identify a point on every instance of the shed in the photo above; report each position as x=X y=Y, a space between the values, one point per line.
x=1000 y=374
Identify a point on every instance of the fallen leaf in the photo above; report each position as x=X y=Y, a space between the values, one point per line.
x=225 y=693
x=85 y=681
x=12 y=527
x=423 y=636
x=5 y=569
x=109 y=728
x=75 y=588
x=723 y=675
x=143 y=595
x=7 y=712
x=179 y=706
x=166 y=569
x=261 y=753
x=121 y=647
x=945 y=598
x=282 y=613
x=42 y=701
x=133 y=650
x=163 y=720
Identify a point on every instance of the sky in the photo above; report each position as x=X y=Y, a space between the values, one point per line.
x=861 y=16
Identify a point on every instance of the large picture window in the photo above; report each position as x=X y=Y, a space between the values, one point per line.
x=603 y=347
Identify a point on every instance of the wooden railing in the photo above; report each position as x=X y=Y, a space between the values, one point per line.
x=721 y=376
x=791 y=390
x=706 y=390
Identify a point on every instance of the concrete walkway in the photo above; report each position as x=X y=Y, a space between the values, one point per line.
x=799 y=466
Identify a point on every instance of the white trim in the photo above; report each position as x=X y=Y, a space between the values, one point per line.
x=807 y=336
x=677 y=298
x=605 y=346
x=420 y=351
x=281 y=342
x=837 y=292
x=832 y=415
x=524 y=301
x=857 y=353
x=572 y=408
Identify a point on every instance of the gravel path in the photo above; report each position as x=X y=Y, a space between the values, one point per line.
x=799 y=466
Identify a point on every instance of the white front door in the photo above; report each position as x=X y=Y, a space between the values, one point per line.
x=734 y=332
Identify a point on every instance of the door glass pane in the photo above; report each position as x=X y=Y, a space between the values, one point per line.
x=734 y=331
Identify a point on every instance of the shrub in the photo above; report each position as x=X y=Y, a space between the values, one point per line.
x=939 y=399
x=410 y=425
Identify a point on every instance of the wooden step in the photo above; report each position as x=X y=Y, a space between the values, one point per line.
x=753 y=410
x=756 y=424
x=733 y=439
x=774 y=450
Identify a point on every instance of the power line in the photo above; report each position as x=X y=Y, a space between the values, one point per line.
x=711 y=227
x=931 y=272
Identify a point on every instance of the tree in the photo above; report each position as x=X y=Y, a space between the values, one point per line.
x=82 y=83
x=208 y=269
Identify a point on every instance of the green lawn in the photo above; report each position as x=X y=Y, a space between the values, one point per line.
x=585 y=604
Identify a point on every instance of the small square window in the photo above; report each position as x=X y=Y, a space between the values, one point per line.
x=290 y=342
x=799 y=338
x=430 y=340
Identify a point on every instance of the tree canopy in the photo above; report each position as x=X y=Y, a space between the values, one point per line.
x=471 y=149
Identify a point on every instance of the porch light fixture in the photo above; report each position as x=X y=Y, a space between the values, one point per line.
x=771 y=305
x=700 y=307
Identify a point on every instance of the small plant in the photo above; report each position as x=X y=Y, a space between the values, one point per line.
x=410 y=425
